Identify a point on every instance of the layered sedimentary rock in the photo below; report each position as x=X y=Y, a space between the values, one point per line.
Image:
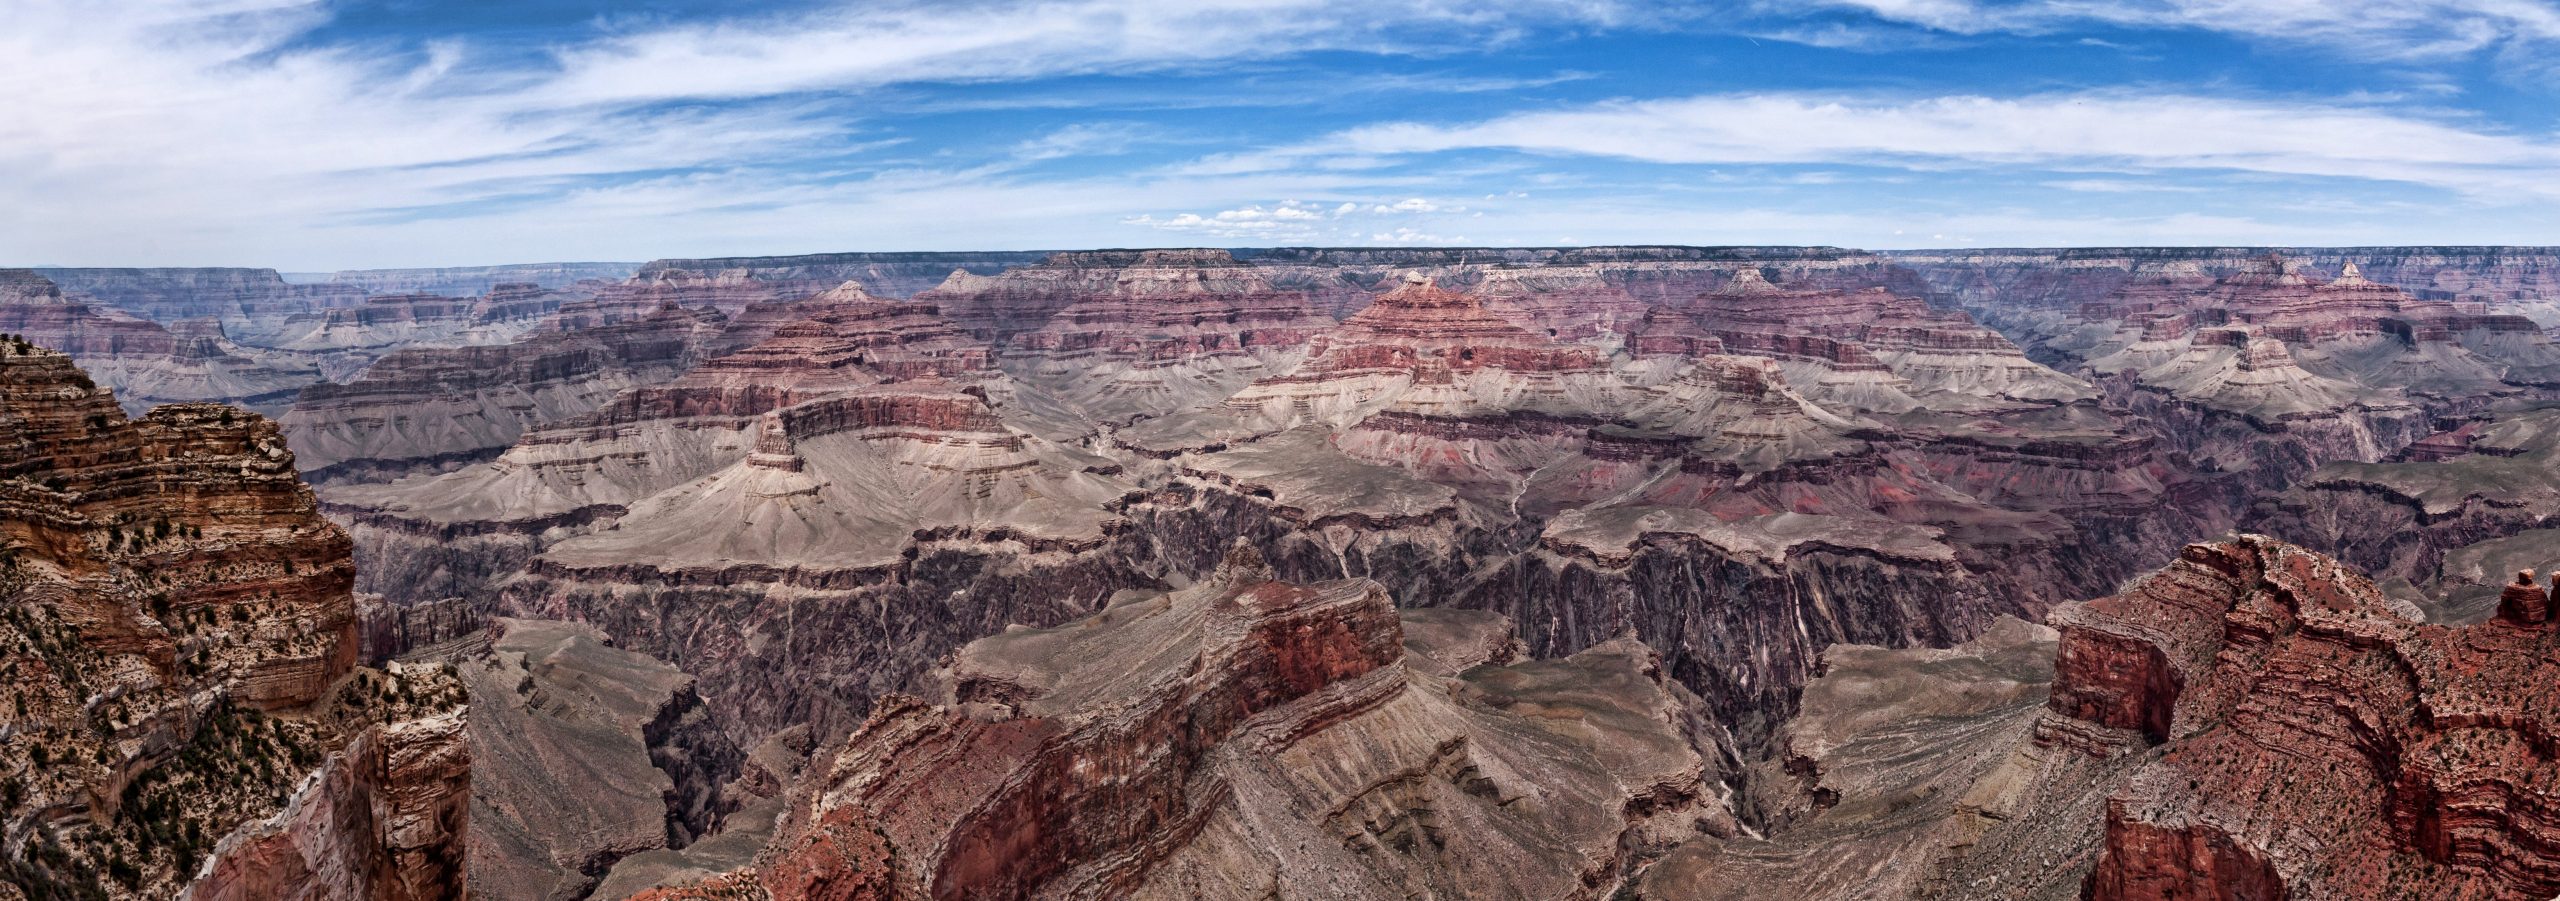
x=582 y=754
x=469 y=281
x=2441 y=521
x=1246 y=738
x=1173 y=331
x=253 y=305
x=1020 y=299
x=890 y=274
x=2510 y=279
x=2252 y=721
x=180 y=654
x=1885 y=771
x=428 y=408
x=2270 y=369
x=146 y=363
x=1690 y=495
x=388 y=321
x=1866 y=349
x=382 y=818
x=727 y=290
x=2319 y=742
x=845 y=469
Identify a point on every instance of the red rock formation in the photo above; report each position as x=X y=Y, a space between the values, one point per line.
x=728 y=290
x=424 y=408
x=1175 y=330
x=2319 y=742
x=178 y=649
x=1049 y=771
x=1866 y=349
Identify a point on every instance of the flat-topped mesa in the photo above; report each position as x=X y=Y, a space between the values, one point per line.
x=1022 y=299
x=890 y=274
x=1865 y=348
x=387 y=321
x=1176 y=331
x=1228 y=740
x=727 y=290
x=2320 y=741
x=1422 y=328
x=1568 y=303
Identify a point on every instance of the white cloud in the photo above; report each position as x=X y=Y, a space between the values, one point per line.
x=211 y=131
x=2096 y=130
x=1087 y=139
x=2403 y=29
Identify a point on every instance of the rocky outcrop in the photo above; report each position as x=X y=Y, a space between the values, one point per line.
x=890 y=274
x=1174 y=331
x=253 y=305
x=180 y=651
x=383 y=819
x=2418 y=521
x=2287 y=731
x=429 y=409
x=553 y=699
x=1245 y=738
x=146 y=363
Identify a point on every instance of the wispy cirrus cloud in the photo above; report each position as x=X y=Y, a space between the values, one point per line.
x=2398 y=29
x=2106 y=130
x=218 y=131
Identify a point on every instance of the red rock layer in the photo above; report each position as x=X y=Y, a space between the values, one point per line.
x=2320 y=742
x=1227 y=716
x=169 y=579
x=1021 y=299
x=1422 y=328
x=422 y=408
x=1172 y=307
x=729 y=291
x=1838 y=327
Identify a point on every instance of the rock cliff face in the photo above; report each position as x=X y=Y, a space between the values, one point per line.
x=146 y=363
x=891 y=274
x=1175 y=331
x=582 y=754
x=469 y=281
x=2265 y=369
x=1246 y=738
x=180 y=651
x=1688 y=492
x=2445 y=522
x=384 y=322
x=2509 y=279
x=253 y=305
x=852 y=465
x=426 y=409
x=2319 y=741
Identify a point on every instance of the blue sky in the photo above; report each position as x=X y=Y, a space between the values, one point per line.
x=426 y=132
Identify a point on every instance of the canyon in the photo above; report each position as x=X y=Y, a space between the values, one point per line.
x=1635 y=572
